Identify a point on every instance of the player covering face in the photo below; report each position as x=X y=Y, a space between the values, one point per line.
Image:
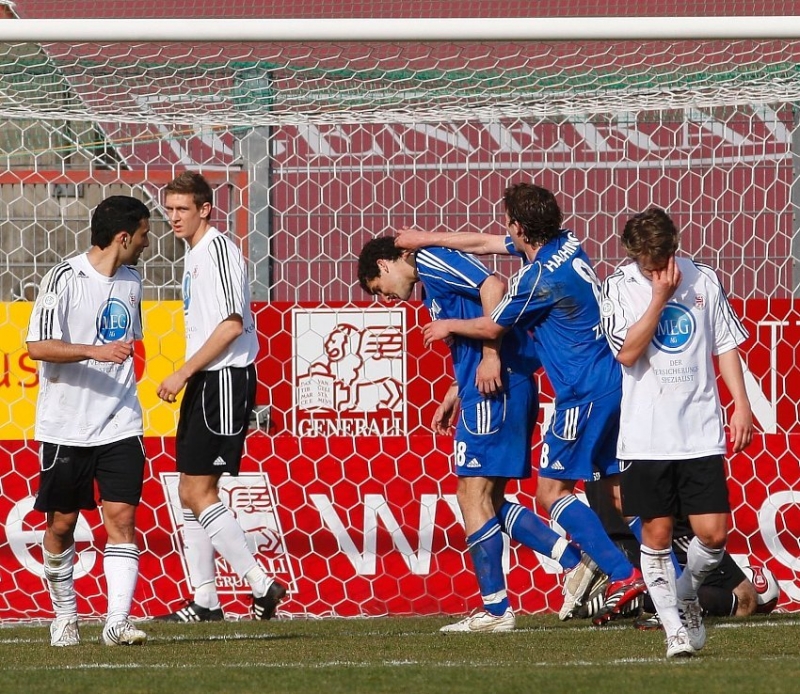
x=491 y=409
x=667 y=320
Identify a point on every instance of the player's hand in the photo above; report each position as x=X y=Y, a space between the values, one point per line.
x=445 y=416
x=666 y=281
x=741 y=429
x=171 y=386
x=437 y=330
x=115 y=352
x=488 y=376
x=411 y=239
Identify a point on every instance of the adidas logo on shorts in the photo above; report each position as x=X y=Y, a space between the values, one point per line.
x=219 y=462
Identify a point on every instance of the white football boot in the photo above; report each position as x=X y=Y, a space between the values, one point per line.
x=123 y=633
x=483 y=622
x=64 y=632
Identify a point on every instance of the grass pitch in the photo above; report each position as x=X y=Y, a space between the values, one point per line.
x=405 y=655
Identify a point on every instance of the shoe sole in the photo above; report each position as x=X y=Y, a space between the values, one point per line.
x=681 y=654
x=496 y=629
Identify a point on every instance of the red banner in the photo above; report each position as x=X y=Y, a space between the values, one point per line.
x=368 y=524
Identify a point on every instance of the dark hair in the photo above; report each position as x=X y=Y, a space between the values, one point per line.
x=651 y=234
x=116 y=213
x=382 y=248
x=535 y=209
x=191 y=183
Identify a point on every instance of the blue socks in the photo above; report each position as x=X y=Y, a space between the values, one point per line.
x=486 y=549
x=524 y=526
x=586 y=530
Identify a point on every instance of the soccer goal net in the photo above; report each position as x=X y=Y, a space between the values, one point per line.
x=319 y=135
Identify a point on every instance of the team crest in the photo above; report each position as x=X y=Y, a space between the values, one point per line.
x=700 y=301
x=349 y=372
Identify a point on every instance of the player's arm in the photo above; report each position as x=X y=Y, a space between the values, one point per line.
x=488 y=375
x=60 y=352
x=445 y=416
x=465 y=241
x=483 y=328
x=223 y=336
x=641 y=333
x=741 y=422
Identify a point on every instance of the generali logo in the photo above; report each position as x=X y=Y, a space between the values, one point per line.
x=349 y=373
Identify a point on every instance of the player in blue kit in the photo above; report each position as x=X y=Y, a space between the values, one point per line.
x=555 y=297
x=498 y=402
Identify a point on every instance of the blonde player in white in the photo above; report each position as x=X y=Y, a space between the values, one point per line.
x=88 y=417
x=220 y=380
x=667 y=320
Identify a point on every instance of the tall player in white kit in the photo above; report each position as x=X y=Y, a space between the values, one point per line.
x=220 y=380
x=88 y=417
x=667 y=319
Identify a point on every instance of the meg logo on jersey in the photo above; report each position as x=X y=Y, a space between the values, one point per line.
x=113 y=320
x=676 y=329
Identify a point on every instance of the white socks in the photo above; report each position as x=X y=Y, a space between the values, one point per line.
x=229 y=541
x=659 y=575
x=199 y=553
x=700 y=561
x=58 y=571
x=121 y=568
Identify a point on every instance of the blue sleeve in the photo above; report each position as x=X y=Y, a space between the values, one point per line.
x=444 y=269
x=525 y=301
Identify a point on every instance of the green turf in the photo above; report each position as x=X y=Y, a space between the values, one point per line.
x=405 y=655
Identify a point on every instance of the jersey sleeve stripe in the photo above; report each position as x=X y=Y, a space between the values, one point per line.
x=612 y=326
x=513 y=291
x=427 y=260
x=221 y=251
x=47 y=317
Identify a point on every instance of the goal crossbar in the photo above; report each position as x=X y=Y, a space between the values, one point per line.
x=406 y=29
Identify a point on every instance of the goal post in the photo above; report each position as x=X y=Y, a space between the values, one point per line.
x=318 y=135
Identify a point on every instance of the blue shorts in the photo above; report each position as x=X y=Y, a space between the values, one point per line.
x=493 y=435
x=581 y=441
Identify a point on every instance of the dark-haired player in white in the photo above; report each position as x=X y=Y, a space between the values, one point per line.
x=220 y=380
x=88 y=417
x=667 y=320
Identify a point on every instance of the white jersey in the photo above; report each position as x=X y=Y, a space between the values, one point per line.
x=87 y=403
x=670 y=402
x=215 y=287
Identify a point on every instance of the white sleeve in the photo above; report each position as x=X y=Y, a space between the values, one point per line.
x=616 y=318
x=49 y=309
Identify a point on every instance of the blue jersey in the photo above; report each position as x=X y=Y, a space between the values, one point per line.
x=452 y=281
x=555 y=298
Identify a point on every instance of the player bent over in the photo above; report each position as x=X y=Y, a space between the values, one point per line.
x=492 y=407
x=220 y=380
x=554 y=298
x=88 y=417
x=667 y=319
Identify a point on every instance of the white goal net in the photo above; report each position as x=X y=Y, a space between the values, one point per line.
x=318 y=137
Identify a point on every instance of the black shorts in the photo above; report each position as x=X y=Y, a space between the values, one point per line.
x=658 y=488
x=214 y=420
x=67 y=475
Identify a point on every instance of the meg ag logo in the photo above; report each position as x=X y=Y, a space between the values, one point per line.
x=676 y=329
